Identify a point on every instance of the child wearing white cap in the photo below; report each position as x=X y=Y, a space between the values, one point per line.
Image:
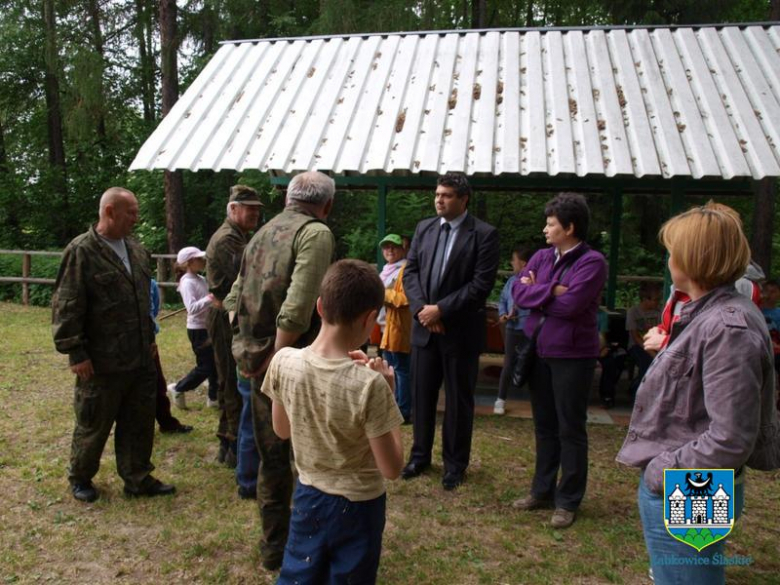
x=194 y=292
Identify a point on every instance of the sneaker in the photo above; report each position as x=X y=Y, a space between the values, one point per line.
x=212 y=403
x=531 y=502
x=178 y=398
x=499 y=407
x=562 y=518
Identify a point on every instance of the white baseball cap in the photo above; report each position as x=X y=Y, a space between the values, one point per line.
x=188 y=253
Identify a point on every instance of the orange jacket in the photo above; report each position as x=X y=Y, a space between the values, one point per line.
x=398 y=323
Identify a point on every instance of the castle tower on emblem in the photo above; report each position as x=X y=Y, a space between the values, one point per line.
x=677 y=506
x=699 y=510
x=720 y=506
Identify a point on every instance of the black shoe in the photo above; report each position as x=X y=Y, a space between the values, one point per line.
x=608 y=403
x=272 y=563
x=222 y=453
x=155 y=488
x=413 y=469
x=84 y=492
x=246 y=494
x=231 y=459
x=451 y=480
x=180 y=429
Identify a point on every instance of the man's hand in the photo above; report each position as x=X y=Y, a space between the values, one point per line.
x=83 y=370
x=530 y=279
x=215 y=302
x=559 y=290
x=654 y=339
x=387 y=371
x=437 y=327
x=429 y=315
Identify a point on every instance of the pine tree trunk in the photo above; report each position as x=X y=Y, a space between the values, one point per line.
x=97 y=44
x=764 y=201
x=143 y=32
x=763 y=223
x=174 y=183
x=59 y=182
x=3 y=155
x=478 y=13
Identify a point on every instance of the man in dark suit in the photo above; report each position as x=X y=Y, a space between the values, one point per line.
x=450 y=270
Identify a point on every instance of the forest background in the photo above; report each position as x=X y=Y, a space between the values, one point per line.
x=83 y=83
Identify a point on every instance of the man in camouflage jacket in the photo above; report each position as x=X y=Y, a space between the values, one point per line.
x=223 y=260
x=100 y=319
x=281 y=273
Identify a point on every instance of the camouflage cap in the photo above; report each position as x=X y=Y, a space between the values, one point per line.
x=244 y=195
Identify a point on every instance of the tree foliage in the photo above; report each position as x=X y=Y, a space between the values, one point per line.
x=80 y=90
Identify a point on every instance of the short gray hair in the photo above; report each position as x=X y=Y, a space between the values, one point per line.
x=230 y=207
x=311 y=187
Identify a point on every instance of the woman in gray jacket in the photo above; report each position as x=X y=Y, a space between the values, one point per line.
x=707 y=397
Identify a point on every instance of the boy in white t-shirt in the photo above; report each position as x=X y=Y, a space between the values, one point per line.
x=339 y=409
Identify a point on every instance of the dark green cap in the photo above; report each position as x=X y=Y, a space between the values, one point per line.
x=244 y=195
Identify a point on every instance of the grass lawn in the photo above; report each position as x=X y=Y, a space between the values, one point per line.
x=206 y=534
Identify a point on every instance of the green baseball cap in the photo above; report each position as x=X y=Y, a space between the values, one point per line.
x=392 y=239
x=244 y=195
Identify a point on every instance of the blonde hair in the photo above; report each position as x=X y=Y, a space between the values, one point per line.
x=707 y=244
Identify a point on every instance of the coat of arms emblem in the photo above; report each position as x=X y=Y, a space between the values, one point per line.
x=699 y=505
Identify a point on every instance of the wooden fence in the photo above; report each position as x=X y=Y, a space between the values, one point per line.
x=164 y=269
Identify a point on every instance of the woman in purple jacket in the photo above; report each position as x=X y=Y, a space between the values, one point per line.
x=562 y=284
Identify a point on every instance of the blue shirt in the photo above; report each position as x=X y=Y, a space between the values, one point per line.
x=154 y=310
x=772 y=317
x=505 y=305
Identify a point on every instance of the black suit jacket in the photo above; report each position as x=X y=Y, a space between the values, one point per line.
x=467 y=280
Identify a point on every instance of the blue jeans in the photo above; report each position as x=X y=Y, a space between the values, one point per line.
x=403 y=394
x=662 y=546
x=332 y=539
x=247 y=456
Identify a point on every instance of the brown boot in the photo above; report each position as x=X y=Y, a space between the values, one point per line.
x=562 y=518
x=531 y=502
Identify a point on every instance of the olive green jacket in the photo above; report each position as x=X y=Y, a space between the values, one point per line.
x=223 y=258
x=99 y=311
x=281 y=273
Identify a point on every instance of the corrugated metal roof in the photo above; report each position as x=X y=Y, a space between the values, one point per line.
x=682 y=102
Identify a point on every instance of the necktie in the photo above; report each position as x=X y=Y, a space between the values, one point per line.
x=438 y=261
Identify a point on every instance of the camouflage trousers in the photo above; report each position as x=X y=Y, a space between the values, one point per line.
x=274 y=478
x=230 y=403
x=127 y=398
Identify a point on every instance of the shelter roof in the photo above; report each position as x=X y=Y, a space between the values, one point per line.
x=688 y=102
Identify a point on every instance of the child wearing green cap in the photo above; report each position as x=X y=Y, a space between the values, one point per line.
x=396 y=321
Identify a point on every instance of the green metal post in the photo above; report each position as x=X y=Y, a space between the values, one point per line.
x=677 y=204
x=381 y=221
x=614 y=246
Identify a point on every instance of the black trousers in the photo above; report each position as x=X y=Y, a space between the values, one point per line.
x=430 y=365
x=204 y=364
x=559 y=401
x=612 y=366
